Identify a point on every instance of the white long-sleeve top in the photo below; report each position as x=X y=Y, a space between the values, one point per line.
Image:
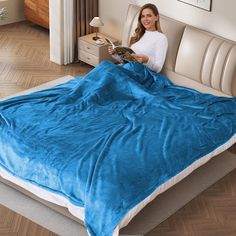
x=154 y=45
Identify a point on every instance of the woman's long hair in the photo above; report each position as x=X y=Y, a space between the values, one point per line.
x=140 y=30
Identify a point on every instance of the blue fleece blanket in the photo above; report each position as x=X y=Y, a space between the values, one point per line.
x=108 y=140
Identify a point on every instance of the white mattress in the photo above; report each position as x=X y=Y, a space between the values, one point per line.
x=79 y=211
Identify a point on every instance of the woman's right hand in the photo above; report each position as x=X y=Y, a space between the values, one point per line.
x=111 y=50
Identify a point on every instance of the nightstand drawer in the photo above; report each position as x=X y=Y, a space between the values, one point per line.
x=88 y=47
x=92 y=53
x=88 y=58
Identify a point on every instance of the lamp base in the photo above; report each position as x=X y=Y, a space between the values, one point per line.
x=96 y=38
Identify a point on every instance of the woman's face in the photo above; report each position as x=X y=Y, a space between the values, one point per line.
x=148 y=19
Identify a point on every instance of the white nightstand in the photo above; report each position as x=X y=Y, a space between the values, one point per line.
x=92 y=53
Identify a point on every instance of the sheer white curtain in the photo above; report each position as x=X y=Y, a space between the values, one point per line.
x=68 y=20
x=69 y=30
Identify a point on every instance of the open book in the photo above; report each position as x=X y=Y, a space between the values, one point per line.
x=122 y=54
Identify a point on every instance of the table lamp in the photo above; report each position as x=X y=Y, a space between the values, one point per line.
x=96 y=22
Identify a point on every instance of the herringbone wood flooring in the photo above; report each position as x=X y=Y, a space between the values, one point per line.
x=212 y=213
x=13 y=224
x=24 y=59
x=24 y=63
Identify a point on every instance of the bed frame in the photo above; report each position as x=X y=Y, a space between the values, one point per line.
x=163 y=205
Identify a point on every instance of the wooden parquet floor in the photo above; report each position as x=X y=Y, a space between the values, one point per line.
x=13 y=224
x=212 y=213
x=24 y=59
x=24 y=63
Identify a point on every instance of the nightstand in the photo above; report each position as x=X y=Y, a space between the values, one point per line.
x=92 y=53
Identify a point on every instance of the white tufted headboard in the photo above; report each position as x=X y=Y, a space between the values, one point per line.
x=130 y=23
x=195 y=58
x=207 y=59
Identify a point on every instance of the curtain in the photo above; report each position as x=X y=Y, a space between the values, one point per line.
x=69 y=19
x=85 y=11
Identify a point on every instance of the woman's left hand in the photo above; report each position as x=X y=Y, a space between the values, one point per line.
x=140 y=58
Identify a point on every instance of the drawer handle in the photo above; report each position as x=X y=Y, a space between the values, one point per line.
x=88 y=58
x=88 y=47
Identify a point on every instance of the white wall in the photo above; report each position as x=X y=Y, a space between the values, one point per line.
x=113 y=13
x=15 y=9
x=221 y=20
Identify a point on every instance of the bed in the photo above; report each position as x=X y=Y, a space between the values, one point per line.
x=139 y=92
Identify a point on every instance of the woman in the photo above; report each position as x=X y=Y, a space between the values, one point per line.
x=149 y=43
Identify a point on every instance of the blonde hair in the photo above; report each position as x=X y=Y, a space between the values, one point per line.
x=140 y=30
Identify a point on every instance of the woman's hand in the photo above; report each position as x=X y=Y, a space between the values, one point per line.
x=111 y=51
x=140 y=58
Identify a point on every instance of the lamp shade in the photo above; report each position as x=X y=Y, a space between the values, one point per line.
x=96 y=22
